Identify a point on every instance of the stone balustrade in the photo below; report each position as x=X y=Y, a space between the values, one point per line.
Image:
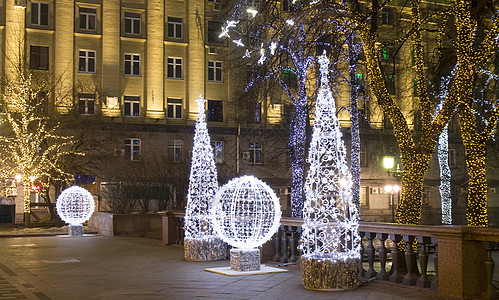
x=454 y=261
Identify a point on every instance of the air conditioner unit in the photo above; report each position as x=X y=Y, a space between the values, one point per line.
x=119 y=152
x=217 y=7
x=246 y=155
x=285 y=191
x=492 y=190
x=12 y=192
x=374 y=191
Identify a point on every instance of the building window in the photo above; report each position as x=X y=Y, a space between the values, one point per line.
x=289 y=78
x=39 y=58
x=174 y=28
x=387 y=123
x=426 y=195
x=132 y=149
x=255 y=112
x=132 y=64
x=387 y=16
x=390 y=84
x=363 y=156
x=132 y=23
x=213 y=32
x=215 y=111
x=286 y=6
x=86 y=104
x=174 y=108
x=175 y=150
x=215 y=71
x=255 y=151
x=388 y=53
x=132 y=106
x=218 y=151
x=86 y=63
x=174 y=68
x=87 y=18
x=39 y=14
x=364 y=195
x=415 y=87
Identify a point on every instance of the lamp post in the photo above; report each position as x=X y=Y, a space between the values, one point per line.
x=388 y=163
x=392 y=189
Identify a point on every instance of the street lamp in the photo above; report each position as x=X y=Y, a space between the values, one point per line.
x=392 y=189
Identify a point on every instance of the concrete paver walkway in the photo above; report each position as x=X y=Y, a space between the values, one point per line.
x=100 y=267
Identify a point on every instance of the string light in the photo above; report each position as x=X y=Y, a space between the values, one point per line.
x=201 y=244
x=33 y=149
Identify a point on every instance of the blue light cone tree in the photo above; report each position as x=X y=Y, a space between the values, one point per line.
x=330 y=241
x=200 y=243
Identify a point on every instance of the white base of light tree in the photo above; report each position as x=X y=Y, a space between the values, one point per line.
x=206 y=248
x=75 y=230
x=244 y=259
x=327 y=274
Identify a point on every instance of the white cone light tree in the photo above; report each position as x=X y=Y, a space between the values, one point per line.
x=200 y=243
x=330 y=241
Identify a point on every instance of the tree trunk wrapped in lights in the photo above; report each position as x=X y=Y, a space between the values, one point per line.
x=200 y=243
x=330 y=241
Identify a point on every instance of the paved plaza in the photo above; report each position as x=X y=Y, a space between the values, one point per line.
x=101 y=267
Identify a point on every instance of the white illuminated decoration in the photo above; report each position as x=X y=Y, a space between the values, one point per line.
x=75 y=205
x=200 y=244
x=246 y=212
x=203 y=180
x=330 y=240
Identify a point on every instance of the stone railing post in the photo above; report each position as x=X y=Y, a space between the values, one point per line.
x=396 y=276
x=423 y=261
x=434 y=283
x=277 y=243
x=284 y=242
x=490 y=291
x=169 y=231
x=383 y=274
x=362 y=270
x=410 y=261
x=292 y=244
x=370 y=255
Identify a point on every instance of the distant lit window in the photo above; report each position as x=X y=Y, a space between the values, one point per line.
x=132 y=64
x=175 y=150
x=39 y=14
x=218 y=151
x=86 y=62
x=39 y=58
x=174 y=108
x=387 y=16
x=174 y=70
x=215 y=71
x=132 y=106
x=174 y=27
x=87 y=18
x=86 y=104
x=132 y=23
x=132 y=149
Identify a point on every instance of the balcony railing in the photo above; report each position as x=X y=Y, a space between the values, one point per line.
x=453 y=261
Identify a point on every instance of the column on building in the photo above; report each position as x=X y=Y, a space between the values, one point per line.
x=196 y=55
x=111 y=25
x=14 y=42
x=63 y=50
x=155 y=59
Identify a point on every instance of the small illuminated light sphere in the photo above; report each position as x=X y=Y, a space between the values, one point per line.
x=330 y=241
x=75 y=205
x=246 y=213
x=200 y=243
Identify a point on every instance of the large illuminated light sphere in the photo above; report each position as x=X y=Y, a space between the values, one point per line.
x=330 y=241
x=246 y=212
x=200 y=243
x=75 y=205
